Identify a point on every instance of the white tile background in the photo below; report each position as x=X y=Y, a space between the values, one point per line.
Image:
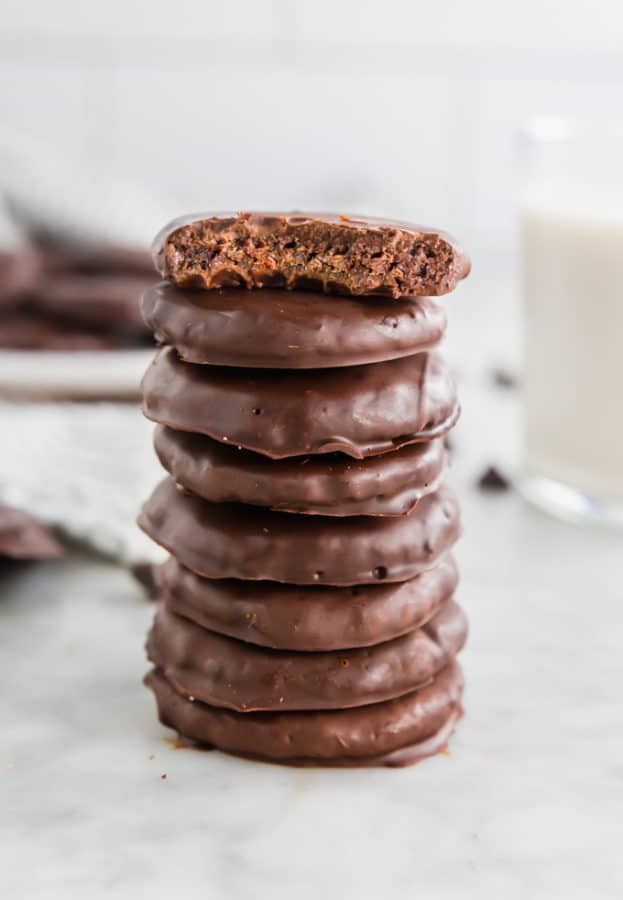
x=394 y=106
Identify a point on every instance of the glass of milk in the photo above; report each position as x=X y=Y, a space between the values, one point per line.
x=571 y=235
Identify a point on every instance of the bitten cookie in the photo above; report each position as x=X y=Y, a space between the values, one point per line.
x=332 y=253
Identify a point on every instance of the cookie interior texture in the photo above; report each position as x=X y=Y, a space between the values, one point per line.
x=336 y=254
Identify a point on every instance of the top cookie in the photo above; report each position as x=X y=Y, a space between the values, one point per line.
x=317 y=251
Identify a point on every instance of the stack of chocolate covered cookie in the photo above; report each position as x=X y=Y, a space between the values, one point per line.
x=307 y=612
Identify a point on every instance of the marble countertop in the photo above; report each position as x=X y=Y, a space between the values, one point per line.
x=529 y=802
x=97 y=802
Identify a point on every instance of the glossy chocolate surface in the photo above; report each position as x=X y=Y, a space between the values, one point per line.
x=278 y=329
x=396 y=732
x=330 y=485
x=295 y=617
x=220 y=540
x=360 y=411
x=225 y=672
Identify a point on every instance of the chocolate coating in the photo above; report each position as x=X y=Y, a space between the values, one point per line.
x=225 y=672
x=235 y=541
x=291 y=617
x=288 y=329
x=360 y=411
x=332 y=253
x=396 y=732
x=387 y=485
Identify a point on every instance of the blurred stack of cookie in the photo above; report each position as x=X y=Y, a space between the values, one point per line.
x=73 y=297
x=307 y=610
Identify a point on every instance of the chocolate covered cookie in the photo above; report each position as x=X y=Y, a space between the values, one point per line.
x=394 y=733
x=289 y=329
x=360 y=411
x=225 y=672
x=221 y=540
x=295 y=617
x=331 y=253
x=330 y=485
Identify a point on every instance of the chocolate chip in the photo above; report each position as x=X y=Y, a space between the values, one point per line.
x=504 y=379
x=493 y=480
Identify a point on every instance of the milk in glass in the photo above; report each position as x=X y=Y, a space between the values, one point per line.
x=571 y=229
